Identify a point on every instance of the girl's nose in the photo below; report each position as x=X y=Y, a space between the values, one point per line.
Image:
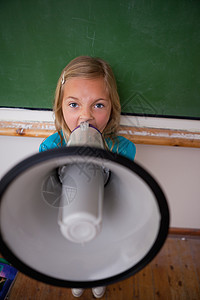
x=86 y=115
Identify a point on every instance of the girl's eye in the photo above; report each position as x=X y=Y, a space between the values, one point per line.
x=73 y=105
x=99 y=105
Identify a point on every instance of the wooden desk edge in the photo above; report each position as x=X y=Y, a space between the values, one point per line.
x=138 y=135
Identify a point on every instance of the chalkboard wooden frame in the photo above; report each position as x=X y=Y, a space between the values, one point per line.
x=138 y=135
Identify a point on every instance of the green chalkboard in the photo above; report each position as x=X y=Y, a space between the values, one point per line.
x=153 y=47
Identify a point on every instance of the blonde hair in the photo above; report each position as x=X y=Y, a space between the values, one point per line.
x=89 y=68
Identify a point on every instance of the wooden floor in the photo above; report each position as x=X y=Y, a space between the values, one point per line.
x=173 y=274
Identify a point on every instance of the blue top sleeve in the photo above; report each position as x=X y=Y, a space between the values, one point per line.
x=122 y=146
x=119 y=145
x=52 y=142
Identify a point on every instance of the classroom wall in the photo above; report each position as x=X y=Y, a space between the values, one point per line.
x=177 y=169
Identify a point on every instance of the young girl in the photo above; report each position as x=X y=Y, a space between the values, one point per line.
x=87 y=91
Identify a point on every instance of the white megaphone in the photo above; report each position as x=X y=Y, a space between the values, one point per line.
x=81 y=216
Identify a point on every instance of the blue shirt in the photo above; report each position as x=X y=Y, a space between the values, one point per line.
x=119 y=145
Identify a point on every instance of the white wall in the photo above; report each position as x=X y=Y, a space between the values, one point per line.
x=14 y=149
x=176 y=169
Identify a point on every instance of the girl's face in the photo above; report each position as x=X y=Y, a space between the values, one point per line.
x=86 y=100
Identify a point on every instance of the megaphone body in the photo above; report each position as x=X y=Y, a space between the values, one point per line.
x=66 y=221
x=80 y=219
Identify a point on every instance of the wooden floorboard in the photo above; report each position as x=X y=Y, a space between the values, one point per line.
x=173 y=274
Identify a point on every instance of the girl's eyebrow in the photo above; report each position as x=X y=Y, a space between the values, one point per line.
x=100 y=99
x=71 y=97
x=77 y=99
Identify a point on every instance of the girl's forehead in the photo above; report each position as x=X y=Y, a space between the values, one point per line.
x=81 y=85
x=86 y=79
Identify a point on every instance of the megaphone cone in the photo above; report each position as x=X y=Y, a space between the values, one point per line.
x=118 y=232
